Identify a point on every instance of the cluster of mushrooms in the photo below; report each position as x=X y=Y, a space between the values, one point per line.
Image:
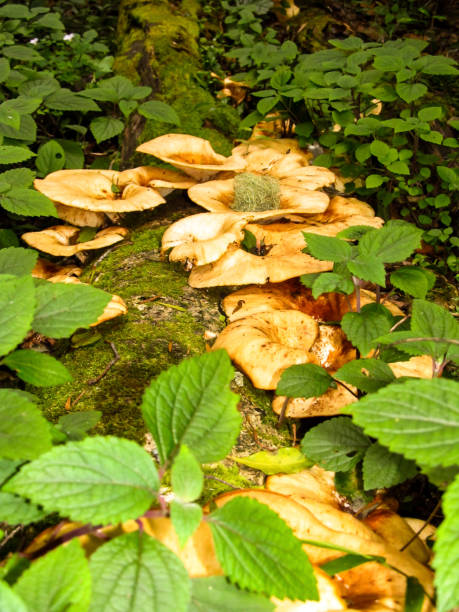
x=266 y=189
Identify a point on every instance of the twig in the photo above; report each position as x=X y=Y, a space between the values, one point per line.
x=116 y=357
x=346 y=387
x=78 y=397
x=281 y=418
x=172 y=306
x=429 y=518
x=394 y=327
x=66 y=537
x=210 y=477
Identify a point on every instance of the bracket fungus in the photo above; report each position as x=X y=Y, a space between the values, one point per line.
x=63 y=239
x=194 y=155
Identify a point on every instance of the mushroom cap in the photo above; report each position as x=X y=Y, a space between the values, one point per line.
x=92 y=190
x=328 y=404
x=57 y=240
x=79 y=216
x=194 y=155
x=45 y=269
x=280 y=146
x=203 y=238
x=218 y=196
x=238 y=267
x=264 y=345
x=162 y=179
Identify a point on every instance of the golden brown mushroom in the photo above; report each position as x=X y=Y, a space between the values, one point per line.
x=161 y=179
x=195 y=156
x=62 y=239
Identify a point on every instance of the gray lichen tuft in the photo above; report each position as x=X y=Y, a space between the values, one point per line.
x=255 y=192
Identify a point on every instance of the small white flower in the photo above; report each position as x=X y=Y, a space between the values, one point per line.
x=33 y=41
x=68 y=36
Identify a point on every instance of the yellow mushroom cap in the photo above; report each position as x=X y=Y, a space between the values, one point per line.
x=194 y=155
x=61 y=239
x=161 y=179
x=96 y=190
x=79 y=216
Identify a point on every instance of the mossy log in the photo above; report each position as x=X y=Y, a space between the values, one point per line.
x=158 y=47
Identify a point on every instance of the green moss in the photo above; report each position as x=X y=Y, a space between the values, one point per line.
x=224 y=470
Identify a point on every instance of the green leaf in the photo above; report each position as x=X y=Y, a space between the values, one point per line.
x=185 y=519
x=10 y=117
x=74 y=156
x=135 y=572
x=14 y=155
x=449 y=175
x=22 y=53
x=409 y=92
x=18 y=177
x=267 y=104
x=37 y=369
x=336 y=445
x=344 y=563
x=368 y=267
x=446 y=549
x=61 y=309
x=15 y=11
x=51 y=21
x=127 y=106
x=374 y=180
x=216 y=594
x=383 y=469
x=75 y=424
x=389 y=63
x=8 y=239
x=4 y=69
x=50 y=157
x=28 y=202
x=99 y=480
x=27 y=129
x=363 y=327
x=367 y=375
x=414 y=281
x=288 y=460
x=104 y=128
x=17 y=261
x=66 y=100
x=257 y=550
x=431 y=320
x=327 y=248
x=304 y=380
x=19 y=417
x=379 y=149
x=186 y=475
x=17 y=304
x=154 y=109
x=7 y=468
x=15 y=510
x=329 y=281
x=362 y=153
x=430 y=113
x=399 y=167
x=9 y=601
x=414 y=596
x=431 y=136
x=58 y=581
x=418 y=418
x=394 y=242
x=191 y=404
x=355 y=232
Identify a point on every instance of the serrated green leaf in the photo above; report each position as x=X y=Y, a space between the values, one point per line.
x=431 y=320
x=37 y=369
x=446 y=549
x=187 y=478
x=14 y=155
x=24 y=105
x=4 y=69
x=394 y=242
x=17 y=261
x=61 y=309
x=67 y=100
x=9 y=601
x=363 y=327
x=430 y=113
x=412 y=280
x=367 y=375
x=160 y=111
x=330 y=281
x=51 y=21
x=383 y=469
x=389 y=63
x=58 y=581
x=8 y=239
x=15 y=510
x=368 y=267
x=19 y=417
x=7 y=468
x=104 y=128
x=257 y=550
x=409 y=92
x=355 y=232
x=216 y=594
x=419 y=418
x=23 y=53
x=28 y=202
x=185 y=519
x=98 y=480
x=304 y=380
x=136 y=573
x=336 y=445
x=191 y=404
x=17 y=305
x=127 y=106
x=288 y=460
x=10 y=117
x=18 y=177
x=327 y=248
x=74 y=155
x=75 y=424
x=50 y=157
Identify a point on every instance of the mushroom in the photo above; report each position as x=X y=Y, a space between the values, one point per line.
x=161 y=179
x=97 y=191
x=62 y=239
x=194 y=155
x=79 y=216
x=46 y=269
